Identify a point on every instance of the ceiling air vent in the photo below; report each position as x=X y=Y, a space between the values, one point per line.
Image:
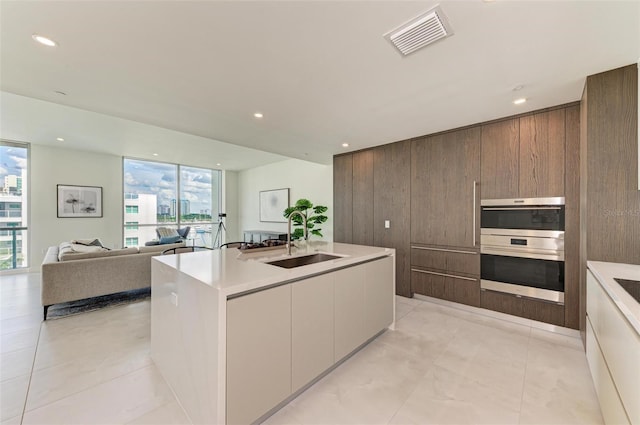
x=420 y=31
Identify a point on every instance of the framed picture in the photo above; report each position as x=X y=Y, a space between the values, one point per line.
x=272 y=205
x=79 y=201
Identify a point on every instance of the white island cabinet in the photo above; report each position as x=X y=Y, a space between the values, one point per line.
x=236 y=338
x=613 y=341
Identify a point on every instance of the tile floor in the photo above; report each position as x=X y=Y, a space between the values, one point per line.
x=441 y=366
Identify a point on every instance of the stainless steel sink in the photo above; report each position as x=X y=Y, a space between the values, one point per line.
x=631 y=286
x=290 y=263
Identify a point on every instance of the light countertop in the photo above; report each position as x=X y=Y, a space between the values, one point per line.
x=605 y=273
x=231 y=271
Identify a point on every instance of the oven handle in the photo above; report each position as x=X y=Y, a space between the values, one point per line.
x=524 y=253
x=519 y=208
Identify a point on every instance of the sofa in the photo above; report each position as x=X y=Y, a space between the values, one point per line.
x=73 y=272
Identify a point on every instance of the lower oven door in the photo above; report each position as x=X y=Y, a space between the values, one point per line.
x=529 y=277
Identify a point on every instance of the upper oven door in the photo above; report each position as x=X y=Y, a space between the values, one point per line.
x=533 y=214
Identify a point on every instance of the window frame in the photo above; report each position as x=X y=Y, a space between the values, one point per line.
x=178 y=223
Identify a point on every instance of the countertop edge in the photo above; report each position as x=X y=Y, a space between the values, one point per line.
x=617 y=294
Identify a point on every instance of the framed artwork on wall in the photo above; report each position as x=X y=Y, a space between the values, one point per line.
x=272 y=205
x=79 y=201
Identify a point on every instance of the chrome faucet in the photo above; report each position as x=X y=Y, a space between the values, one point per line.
x=304 y=223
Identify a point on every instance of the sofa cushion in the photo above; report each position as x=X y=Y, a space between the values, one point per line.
x=75 y=255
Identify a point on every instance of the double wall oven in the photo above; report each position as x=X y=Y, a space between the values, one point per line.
x=522 y=247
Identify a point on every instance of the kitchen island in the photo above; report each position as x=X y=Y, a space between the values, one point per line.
x=236 y=338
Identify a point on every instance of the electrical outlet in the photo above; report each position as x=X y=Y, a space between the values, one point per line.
x=174 y=299
x=387 y=224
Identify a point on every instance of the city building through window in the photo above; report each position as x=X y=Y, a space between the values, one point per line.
x=13 y=205
x=169 y=195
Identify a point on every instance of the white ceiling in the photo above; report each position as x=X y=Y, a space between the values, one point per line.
x=320 y=71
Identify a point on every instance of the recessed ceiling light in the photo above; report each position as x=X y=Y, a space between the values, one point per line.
x=44 y=40
x=155 y=154
x=258 y=115
x=519 y=101
x=218 y=164
x=60 y=139
x=345 y=145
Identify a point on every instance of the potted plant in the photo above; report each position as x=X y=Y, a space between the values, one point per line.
x=313 y=214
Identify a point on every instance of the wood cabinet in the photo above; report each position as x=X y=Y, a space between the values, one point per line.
x=542 y=150
x=312 y=329
x=444 y=198
x=391 y=202
x=524 y=157
x=258 y=353
x=363 y=198
x=460 y=289
x=343 y=198
x=500 y=159
x=541 y=311
x=371 y=187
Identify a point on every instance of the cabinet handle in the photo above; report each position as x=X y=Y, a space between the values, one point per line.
x=475 y=185
x=457 y=251
x=445 y=275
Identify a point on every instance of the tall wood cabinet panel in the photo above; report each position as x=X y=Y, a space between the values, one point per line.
x=343 y=198
x=572 y=218
x=542 y=151
x=613 y=198
x=444 y=169
x=501 y=159
x=363 y=198
x=392 y=201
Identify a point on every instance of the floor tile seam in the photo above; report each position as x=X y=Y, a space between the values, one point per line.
x=524 y=378
x=410 y=394
x=85 y=389
x=33 y=362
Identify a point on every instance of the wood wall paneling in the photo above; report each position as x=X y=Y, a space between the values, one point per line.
x=392 y=201
x=572 y=219
x=500 y=159
x=343 y=198
x=613 y=199
x=363 y=198
x=443 y=170
x=542 y=152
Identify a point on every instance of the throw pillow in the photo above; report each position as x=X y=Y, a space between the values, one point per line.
x=170 y=239
x=88 y=242
x=166 y=232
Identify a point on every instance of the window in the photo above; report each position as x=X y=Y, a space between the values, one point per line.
x=13 y=205
x=169 y=195
x=131 y=242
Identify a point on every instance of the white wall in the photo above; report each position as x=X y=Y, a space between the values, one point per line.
x=304 y=179
x=230 y=206
x=53 y=166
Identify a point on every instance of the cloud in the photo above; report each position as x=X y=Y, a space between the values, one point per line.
x=20 y=162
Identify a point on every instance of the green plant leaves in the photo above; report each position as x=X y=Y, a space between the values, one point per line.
x=307 y=208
